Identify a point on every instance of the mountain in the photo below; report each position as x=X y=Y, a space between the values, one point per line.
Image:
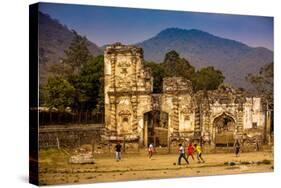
x=200 y=48
x=54 y=39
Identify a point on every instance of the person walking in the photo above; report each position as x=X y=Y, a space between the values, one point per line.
x=237 y=148
x=118 y=148
x=182 y=155
x=150 y=150
x=257 y=144
x=198 y=150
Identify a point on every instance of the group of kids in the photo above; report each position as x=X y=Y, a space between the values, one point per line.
x=184 y=153
x=187 y=152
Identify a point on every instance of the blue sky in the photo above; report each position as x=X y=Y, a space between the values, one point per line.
x=105 y=25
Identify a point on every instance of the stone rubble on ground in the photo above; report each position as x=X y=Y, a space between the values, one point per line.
x=232 y=163
x=84 y=158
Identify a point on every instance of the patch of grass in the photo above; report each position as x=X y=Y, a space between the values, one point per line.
x=245 y=163
x=91 y=177
x=47 y=153
x=232 y=167
x=42 y=183
x=265 y=161
x=52 y=157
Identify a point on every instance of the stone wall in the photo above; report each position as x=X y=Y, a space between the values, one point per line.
x=245 y=112
x=69 y=136
x=177 y=101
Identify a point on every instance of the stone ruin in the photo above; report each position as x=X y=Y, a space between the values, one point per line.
x=133 y=113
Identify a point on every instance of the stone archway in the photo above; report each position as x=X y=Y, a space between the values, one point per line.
x=155 y=129
x=223 y=130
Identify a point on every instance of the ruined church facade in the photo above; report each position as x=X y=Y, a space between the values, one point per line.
x=134 y=113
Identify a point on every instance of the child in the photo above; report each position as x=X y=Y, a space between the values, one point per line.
x=237 y=148
x=198 y=150
x=182 y=155
x=118 y=151
x=150 y=150
x=190 y=150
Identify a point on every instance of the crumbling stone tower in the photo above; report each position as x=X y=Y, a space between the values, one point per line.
x=127 y=91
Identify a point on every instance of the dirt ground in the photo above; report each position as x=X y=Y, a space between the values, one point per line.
x=55 y=169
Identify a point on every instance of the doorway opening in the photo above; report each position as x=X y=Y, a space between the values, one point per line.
x=224 y=128
x=156 y=128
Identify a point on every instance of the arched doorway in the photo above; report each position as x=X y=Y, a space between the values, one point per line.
x=223 y=130
x=155 y=129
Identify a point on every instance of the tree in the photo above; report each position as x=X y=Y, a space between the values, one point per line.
x=61 y=68
x=263 y=82
x=158 y=73
x=207 y=78
x=174 y=65
x=76 y=81
x=58 y=93
x=90 y=83
x=77 y=54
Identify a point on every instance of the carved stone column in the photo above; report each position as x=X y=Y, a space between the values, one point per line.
x=113 y=120
x=240 y=121
x=113 y=126
x=134 y=76
x=134 y=108
x=207 y=127
x=267 y=136
x=175 y=117
x=112 y=79
x=197 y=128
x=207 y=121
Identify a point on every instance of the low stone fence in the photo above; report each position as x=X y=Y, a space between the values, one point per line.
x=69 y=136
x=74 y=136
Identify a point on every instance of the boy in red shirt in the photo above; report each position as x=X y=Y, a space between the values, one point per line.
x=190 y=150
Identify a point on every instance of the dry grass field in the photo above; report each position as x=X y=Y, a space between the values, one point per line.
x=54 y=167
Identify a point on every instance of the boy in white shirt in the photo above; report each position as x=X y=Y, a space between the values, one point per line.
x=182 y=155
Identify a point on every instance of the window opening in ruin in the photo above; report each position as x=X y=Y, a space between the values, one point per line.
x=125 y=119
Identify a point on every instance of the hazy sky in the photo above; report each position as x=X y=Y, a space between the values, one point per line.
x=105 y=25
